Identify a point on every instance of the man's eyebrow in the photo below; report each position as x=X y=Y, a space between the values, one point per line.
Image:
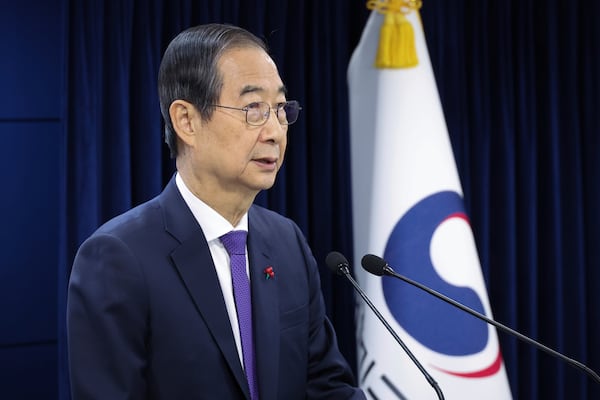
x=253 y=89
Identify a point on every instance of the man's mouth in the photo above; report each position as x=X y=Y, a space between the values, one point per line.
x=266 y=160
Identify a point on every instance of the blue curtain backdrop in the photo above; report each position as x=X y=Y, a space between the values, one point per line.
x=519 y=82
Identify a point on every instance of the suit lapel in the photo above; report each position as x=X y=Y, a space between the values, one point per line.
x=265 y=308
x=196 y=268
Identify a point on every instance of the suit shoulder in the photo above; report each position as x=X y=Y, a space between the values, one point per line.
x=260 y=216
x=133 y=221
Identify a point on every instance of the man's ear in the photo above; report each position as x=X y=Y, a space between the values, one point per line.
x=185 y=119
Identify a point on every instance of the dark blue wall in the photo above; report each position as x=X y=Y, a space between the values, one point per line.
x=31 y=137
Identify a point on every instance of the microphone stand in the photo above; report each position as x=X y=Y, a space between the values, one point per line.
x=389 y=271
x=344 y=270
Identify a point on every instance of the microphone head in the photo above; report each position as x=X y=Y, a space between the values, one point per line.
x=374 y=264
x=335 y=261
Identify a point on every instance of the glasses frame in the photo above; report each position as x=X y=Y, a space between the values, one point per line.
x=265 y=115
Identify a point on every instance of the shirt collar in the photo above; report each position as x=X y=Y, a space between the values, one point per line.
x=213 y=224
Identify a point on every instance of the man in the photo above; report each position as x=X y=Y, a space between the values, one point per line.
x=154 y=310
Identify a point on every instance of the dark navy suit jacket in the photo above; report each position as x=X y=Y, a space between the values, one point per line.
x=147 y=320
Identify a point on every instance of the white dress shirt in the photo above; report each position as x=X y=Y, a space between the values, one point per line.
x=214 y=226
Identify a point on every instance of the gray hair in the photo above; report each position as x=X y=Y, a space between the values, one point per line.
x=188 y=70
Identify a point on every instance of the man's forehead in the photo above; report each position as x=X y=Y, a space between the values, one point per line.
x=254 y=89
x=250 y=70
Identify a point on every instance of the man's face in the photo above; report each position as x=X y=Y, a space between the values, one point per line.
x=230 y=156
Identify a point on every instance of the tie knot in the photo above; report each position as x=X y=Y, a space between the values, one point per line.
x=235 y=242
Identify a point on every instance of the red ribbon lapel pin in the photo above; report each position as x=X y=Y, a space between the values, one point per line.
x=269 y=273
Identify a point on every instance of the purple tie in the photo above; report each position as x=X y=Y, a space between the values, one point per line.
x=235 y=244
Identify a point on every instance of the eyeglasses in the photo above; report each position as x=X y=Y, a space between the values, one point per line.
x=258 y=113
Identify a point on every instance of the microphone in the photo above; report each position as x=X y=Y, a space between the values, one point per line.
x=339 y=264
x=378 y=266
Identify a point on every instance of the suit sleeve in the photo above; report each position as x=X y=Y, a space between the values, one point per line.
x=329 y=376
x=106 y=322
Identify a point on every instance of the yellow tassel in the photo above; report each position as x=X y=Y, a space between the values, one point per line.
x=397 y=47
x=396 y=43
x=387 y=40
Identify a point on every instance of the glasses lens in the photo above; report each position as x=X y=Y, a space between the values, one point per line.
x=288 y=114
x=257 y=113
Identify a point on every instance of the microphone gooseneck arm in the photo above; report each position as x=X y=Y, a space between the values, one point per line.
x=337 y=263
x=387 y=270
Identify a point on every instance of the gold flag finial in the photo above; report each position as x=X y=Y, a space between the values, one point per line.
x=396 y=38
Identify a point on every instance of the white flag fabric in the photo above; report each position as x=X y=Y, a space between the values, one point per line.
x=408 y=208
